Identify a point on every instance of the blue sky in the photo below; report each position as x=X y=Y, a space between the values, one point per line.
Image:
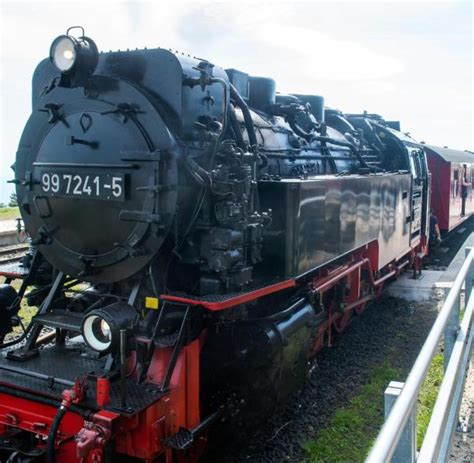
x=411 y=61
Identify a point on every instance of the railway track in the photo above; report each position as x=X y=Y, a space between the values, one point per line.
x=9 y=254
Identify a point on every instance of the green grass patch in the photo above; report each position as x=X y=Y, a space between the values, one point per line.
x=351 y=433
x=9 y=213
x=25 y=313
x=353 y=429
x=427 y=397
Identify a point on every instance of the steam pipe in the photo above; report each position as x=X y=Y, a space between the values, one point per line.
x=40 y=376
x=315 y=157
x=354 y=150
x=86 y=414
x=235 y=125
x=246 y=113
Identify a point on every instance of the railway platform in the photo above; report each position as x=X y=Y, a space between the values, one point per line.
x=423 y=286
x=7 y=232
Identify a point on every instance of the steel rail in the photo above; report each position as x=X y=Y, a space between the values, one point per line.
x=11 y=259
x=15 y=249
x=389 y=436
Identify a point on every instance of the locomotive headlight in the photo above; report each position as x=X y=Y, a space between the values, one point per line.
x=101 y=327
x=97 y=333
x=63 y=53
x=74 y=56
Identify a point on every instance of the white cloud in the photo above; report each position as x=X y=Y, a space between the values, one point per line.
x=321 y=56
x=408 y=63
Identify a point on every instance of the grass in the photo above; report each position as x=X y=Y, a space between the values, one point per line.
x=427 y=397
x=353 y=429
x=25 y=313
x=350 y=434
x=9 y=213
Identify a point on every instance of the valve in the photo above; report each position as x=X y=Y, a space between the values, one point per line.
x=90 y=437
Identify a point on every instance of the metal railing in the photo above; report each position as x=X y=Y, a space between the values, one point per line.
x=396 y=441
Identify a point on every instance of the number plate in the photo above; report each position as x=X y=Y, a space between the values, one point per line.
x=82 y=185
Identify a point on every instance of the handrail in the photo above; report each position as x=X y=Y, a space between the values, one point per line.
x=389 y=436
x=433 y=438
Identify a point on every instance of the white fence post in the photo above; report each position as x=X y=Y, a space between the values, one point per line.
x=406 y=448
x=451 y=330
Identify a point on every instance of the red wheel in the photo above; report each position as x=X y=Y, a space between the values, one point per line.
x=318 y=343
x=343 y=321
x=365 y=290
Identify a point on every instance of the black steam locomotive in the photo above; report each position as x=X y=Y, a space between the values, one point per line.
x=196 y=238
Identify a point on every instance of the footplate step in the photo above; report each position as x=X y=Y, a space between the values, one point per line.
x=181 y=440
x=184 y=438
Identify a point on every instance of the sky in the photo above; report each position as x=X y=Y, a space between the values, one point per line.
x=408 y=61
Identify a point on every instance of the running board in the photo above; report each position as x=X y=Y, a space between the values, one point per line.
x=70 y=321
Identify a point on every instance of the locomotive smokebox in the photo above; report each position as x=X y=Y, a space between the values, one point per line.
x=91 y=176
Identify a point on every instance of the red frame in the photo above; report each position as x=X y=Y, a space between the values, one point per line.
x=233 y=301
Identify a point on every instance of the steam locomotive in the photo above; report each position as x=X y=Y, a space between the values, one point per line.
x=196 y=238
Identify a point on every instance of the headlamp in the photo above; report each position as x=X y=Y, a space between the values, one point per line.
x=101 y=327
x=97 y=333
x=77 y=57
x=63 y=53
